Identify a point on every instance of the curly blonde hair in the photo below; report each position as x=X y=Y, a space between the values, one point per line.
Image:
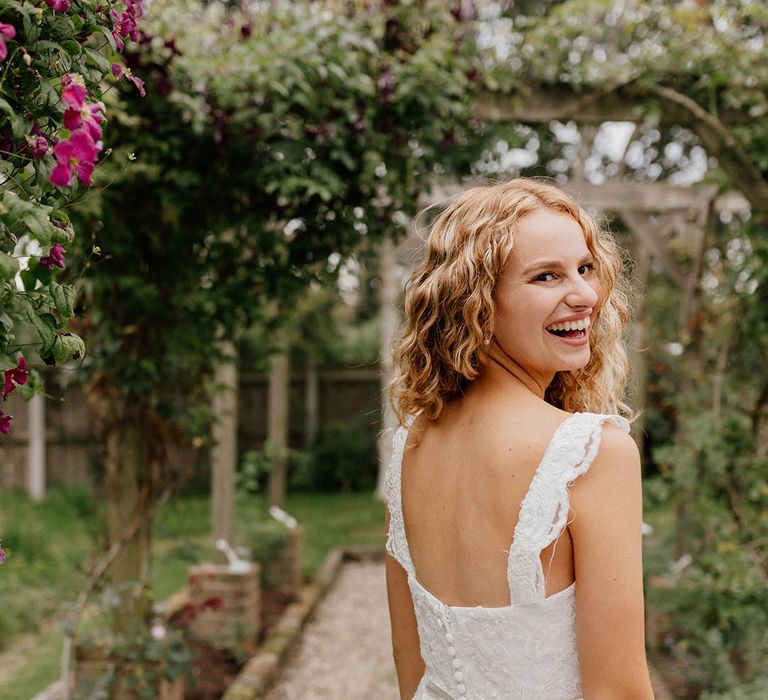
x=449 y=304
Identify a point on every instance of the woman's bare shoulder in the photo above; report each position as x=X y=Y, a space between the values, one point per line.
x=615 y=469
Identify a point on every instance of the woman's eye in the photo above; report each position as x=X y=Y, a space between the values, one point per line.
x=584 y=269
x=545 y=277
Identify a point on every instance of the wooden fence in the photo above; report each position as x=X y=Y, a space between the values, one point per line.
x=350 y=396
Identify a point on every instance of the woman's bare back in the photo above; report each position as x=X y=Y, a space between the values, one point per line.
x=464 y=477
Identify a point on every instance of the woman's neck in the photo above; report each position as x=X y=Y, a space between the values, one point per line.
x=498 y=362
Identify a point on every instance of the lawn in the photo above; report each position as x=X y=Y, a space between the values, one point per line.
x=49 y=546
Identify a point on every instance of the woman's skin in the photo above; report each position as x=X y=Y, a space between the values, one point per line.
x=466 y=473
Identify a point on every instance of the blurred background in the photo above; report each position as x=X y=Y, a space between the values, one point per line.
x=239 y=261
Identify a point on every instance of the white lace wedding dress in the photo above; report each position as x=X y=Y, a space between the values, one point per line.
x=527 y=650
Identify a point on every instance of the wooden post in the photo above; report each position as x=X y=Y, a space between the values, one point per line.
x=277 y=421
x=36 y=448
x=389 y=321
x=311 y=401
x=639 y=351
x=224 y=450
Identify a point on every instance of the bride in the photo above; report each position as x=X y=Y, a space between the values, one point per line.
x=514 y=502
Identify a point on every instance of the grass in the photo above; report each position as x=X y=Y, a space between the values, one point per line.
x=50 y=545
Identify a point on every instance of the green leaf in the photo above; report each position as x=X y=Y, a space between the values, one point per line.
x=68 y=346
x=63 y=298
x=45 y=325
x=9 y=266
x=18 y=124
x=33 y=386
x=72 y=47
x=99 y=60
x=108 y=34
x=29 y=279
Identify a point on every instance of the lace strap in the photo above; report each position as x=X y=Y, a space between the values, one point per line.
x=397 y=544
x=544 y=511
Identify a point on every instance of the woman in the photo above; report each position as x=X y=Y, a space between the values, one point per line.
x=514 y=503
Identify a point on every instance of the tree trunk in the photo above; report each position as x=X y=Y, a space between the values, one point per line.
x=277 y=426
x=126 y=500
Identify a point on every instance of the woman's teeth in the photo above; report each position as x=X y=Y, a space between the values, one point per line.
x=580 y=325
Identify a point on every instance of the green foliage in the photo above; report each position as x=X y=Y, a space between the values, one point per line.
x=46 y=544
x=255 y=466
x=144 y=658
x=270 y=139
x=343 y=457
x=715 y=474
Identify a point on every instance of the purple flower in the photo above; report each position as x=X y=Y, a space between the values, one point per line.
x=55 y=257
x=77 y=155
x=386 y=85
x=38 y=146
x=124 y=24
x=7 y=31
x=15 y=375
x=2 y=555
x=59 y=5
x=5 y=428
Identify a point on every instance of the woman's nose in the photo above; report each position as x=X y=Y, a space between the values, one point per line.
x=583 y=292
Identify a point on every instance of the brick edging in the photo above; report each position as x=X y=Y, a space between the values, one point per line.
x=260 y=671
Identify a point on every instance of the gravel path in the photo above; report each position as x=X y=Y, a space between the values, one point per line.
x=345 y=651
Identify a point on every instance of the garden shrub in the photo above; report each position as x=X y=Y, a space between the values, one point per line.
x=343 y=457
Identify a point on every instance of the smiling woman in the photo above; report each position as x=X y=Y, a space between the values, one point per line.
x=507 y=577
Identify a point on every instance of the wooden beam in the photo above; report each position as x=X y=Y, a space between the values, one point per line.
x=536 y=104
x=641 y=197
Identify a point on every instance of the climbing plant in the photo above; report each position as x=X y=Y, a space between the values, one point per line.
x=56 y=60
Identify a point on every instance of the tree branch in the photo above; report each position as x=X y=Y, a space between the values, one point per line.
x=721 y=143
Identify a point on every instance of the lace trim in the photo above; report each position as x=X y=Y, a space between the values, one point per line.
x=545 y=507
x=397 y=545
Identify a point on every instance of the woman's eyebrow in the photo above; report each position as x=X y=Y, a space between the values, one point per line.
x=539 y=264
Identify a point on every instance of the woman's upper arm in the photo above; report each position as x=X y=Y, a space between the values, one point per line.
x=606 y=531
x=405 y=635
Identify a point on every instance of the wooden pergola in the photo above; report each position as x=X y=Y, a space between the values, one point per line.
x=655 y=214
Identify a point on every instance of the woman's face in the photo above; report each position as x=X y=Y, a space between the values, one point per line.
x=547 y=295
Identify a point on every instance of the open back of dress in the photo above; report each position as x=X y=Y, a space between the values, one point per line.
x=527 y=649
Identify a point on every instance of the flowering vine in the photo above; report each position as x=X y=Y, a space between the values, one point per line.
x=57 y=56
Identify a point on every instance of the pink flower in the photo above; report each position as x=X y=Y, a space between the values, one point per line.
x=139 y=83
x=5 y=428
x=75 y=155
x=7 y=31
x=38 y=146
x=74 y=94
x=2 y=555
x=121 y=72
x=59 y=5
x=55 y=257
x=13 y=376
x=89 y=117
